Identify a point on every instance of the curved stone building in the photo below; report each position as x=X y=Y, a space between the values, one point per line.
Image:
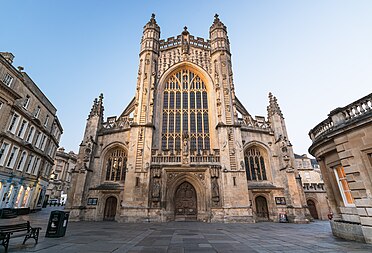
x=185 y=148
x=342 y=144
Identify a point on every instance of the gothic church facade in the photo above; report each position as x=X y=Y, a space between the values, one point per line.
x=185 y=148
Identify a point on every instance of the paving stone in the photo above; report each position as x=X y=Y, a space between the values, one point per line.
x=184 y=237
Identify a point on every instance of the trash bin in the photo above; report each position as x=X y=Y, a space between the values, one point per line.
x=57 y=224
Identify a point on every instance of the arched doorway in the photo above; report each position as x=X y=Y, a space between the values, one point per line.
x=110 y=209
x=312 y=209
x=185 y=202
x=262 y=211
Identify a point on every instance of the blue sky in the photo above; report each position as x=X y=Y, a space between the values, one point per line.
x=313 y=55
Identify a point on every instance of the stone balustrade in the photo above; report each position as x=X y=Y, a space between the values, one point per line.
x=176 y=41
x=200 y=42
x=343 y=115
x=259 y=123
x=175 y=157
x=170 y=42
x=113 y=123
x=313 y=187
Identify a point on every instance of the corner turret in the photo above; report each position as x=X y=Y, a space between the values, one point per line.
x=150 y=37
x=218 y=36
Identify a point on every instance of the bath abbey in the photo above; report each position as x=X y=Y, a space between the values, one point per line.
x=185 y=147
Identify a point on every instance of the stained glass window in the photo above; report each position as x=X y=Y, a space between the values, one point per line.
x=254 y=164
x=185 y=111
x=116 y=165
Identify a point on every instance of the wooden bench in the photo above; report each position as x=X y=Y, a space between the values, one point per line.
x=18 y=230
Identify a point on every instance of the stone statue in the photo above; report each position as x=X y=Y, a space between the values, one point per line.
x=215 y=190
x=185 y=146
x=156 y=190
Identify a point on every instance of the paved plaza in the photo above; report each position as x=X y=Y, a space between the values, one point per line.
x=178 y=237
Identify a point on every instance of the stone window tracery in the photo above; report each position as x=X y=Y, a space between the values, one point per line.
x=116 y=165
x=255 y=167
x=185 y=112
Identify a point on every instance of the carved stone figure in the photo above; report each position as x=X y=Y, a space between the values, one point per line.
x=156 y=190
x=215 y=190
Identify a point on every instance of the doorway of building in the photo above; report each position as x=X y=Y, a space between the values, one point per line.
x=261 y=209
x=312 y=208
x=185 y=202
x=110 y=209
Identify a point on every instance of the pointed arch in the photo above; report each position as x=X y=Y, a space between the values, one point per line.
x=114 y=166
x=185 y=101
x=186 y=65
x=256 y=160
x=195 y=182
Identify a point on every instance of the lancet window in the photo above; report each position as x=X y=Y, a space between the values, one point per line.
x=185 y=112
x=255 y=167
x=116 y=165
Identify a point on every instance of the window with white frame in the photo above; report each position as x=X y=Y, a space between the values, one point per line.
x=47 y=169
x=22 y=129
x=13 y=123
x=35 y=167
x=37 y=112
x=22 y=161
x=7 y=79
x=51 y=150
x=26 y=102
x=12 y=157
x=37 y=139
x=344 y=186
x=46 y=121
x=30 y=135
x=43 y=142
x=3 y=152
x=30 y=163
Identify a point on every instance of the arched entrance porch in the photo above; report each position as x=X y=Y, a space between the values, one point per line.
x=312 y=208
x=185 y=202
x=192 y=186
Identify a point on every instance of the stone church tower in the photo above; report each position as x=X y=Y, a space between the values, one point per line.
x=185 y=148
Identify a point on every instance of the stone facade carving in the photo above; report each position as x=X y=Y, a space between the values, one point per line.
x=187 y=149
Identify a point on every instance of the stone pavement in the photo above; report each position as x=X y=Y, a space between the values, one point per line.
x=183 y=237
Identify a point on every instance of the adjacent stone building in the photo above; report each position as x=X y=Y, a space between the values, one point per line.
x=185 y=148
x=342 y=144
x=313 y=185
x=60 y=177
x=29 y=137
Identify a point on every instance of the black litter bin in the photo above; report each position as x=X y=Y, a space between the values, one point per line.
x=57 y=224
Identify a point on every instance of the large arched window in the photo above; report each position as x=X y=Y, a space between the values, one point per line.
x=185 y=112
x=116 y=165
x=255 y=167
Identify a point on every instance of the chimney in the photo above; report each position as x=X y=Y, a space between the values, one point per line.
x=8 y=56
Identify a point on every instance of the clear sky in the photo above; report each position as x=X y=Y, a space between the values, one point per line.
x=313 y=55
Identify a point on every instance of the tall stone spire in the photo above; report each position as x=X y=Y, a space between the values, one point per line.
x=97 y=108
x=273 y=107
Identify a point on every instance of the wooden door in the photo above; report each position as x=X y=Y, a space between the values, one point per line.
x=312 y=209
x=110 y=209
x=261 y=209
x=185 y=202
